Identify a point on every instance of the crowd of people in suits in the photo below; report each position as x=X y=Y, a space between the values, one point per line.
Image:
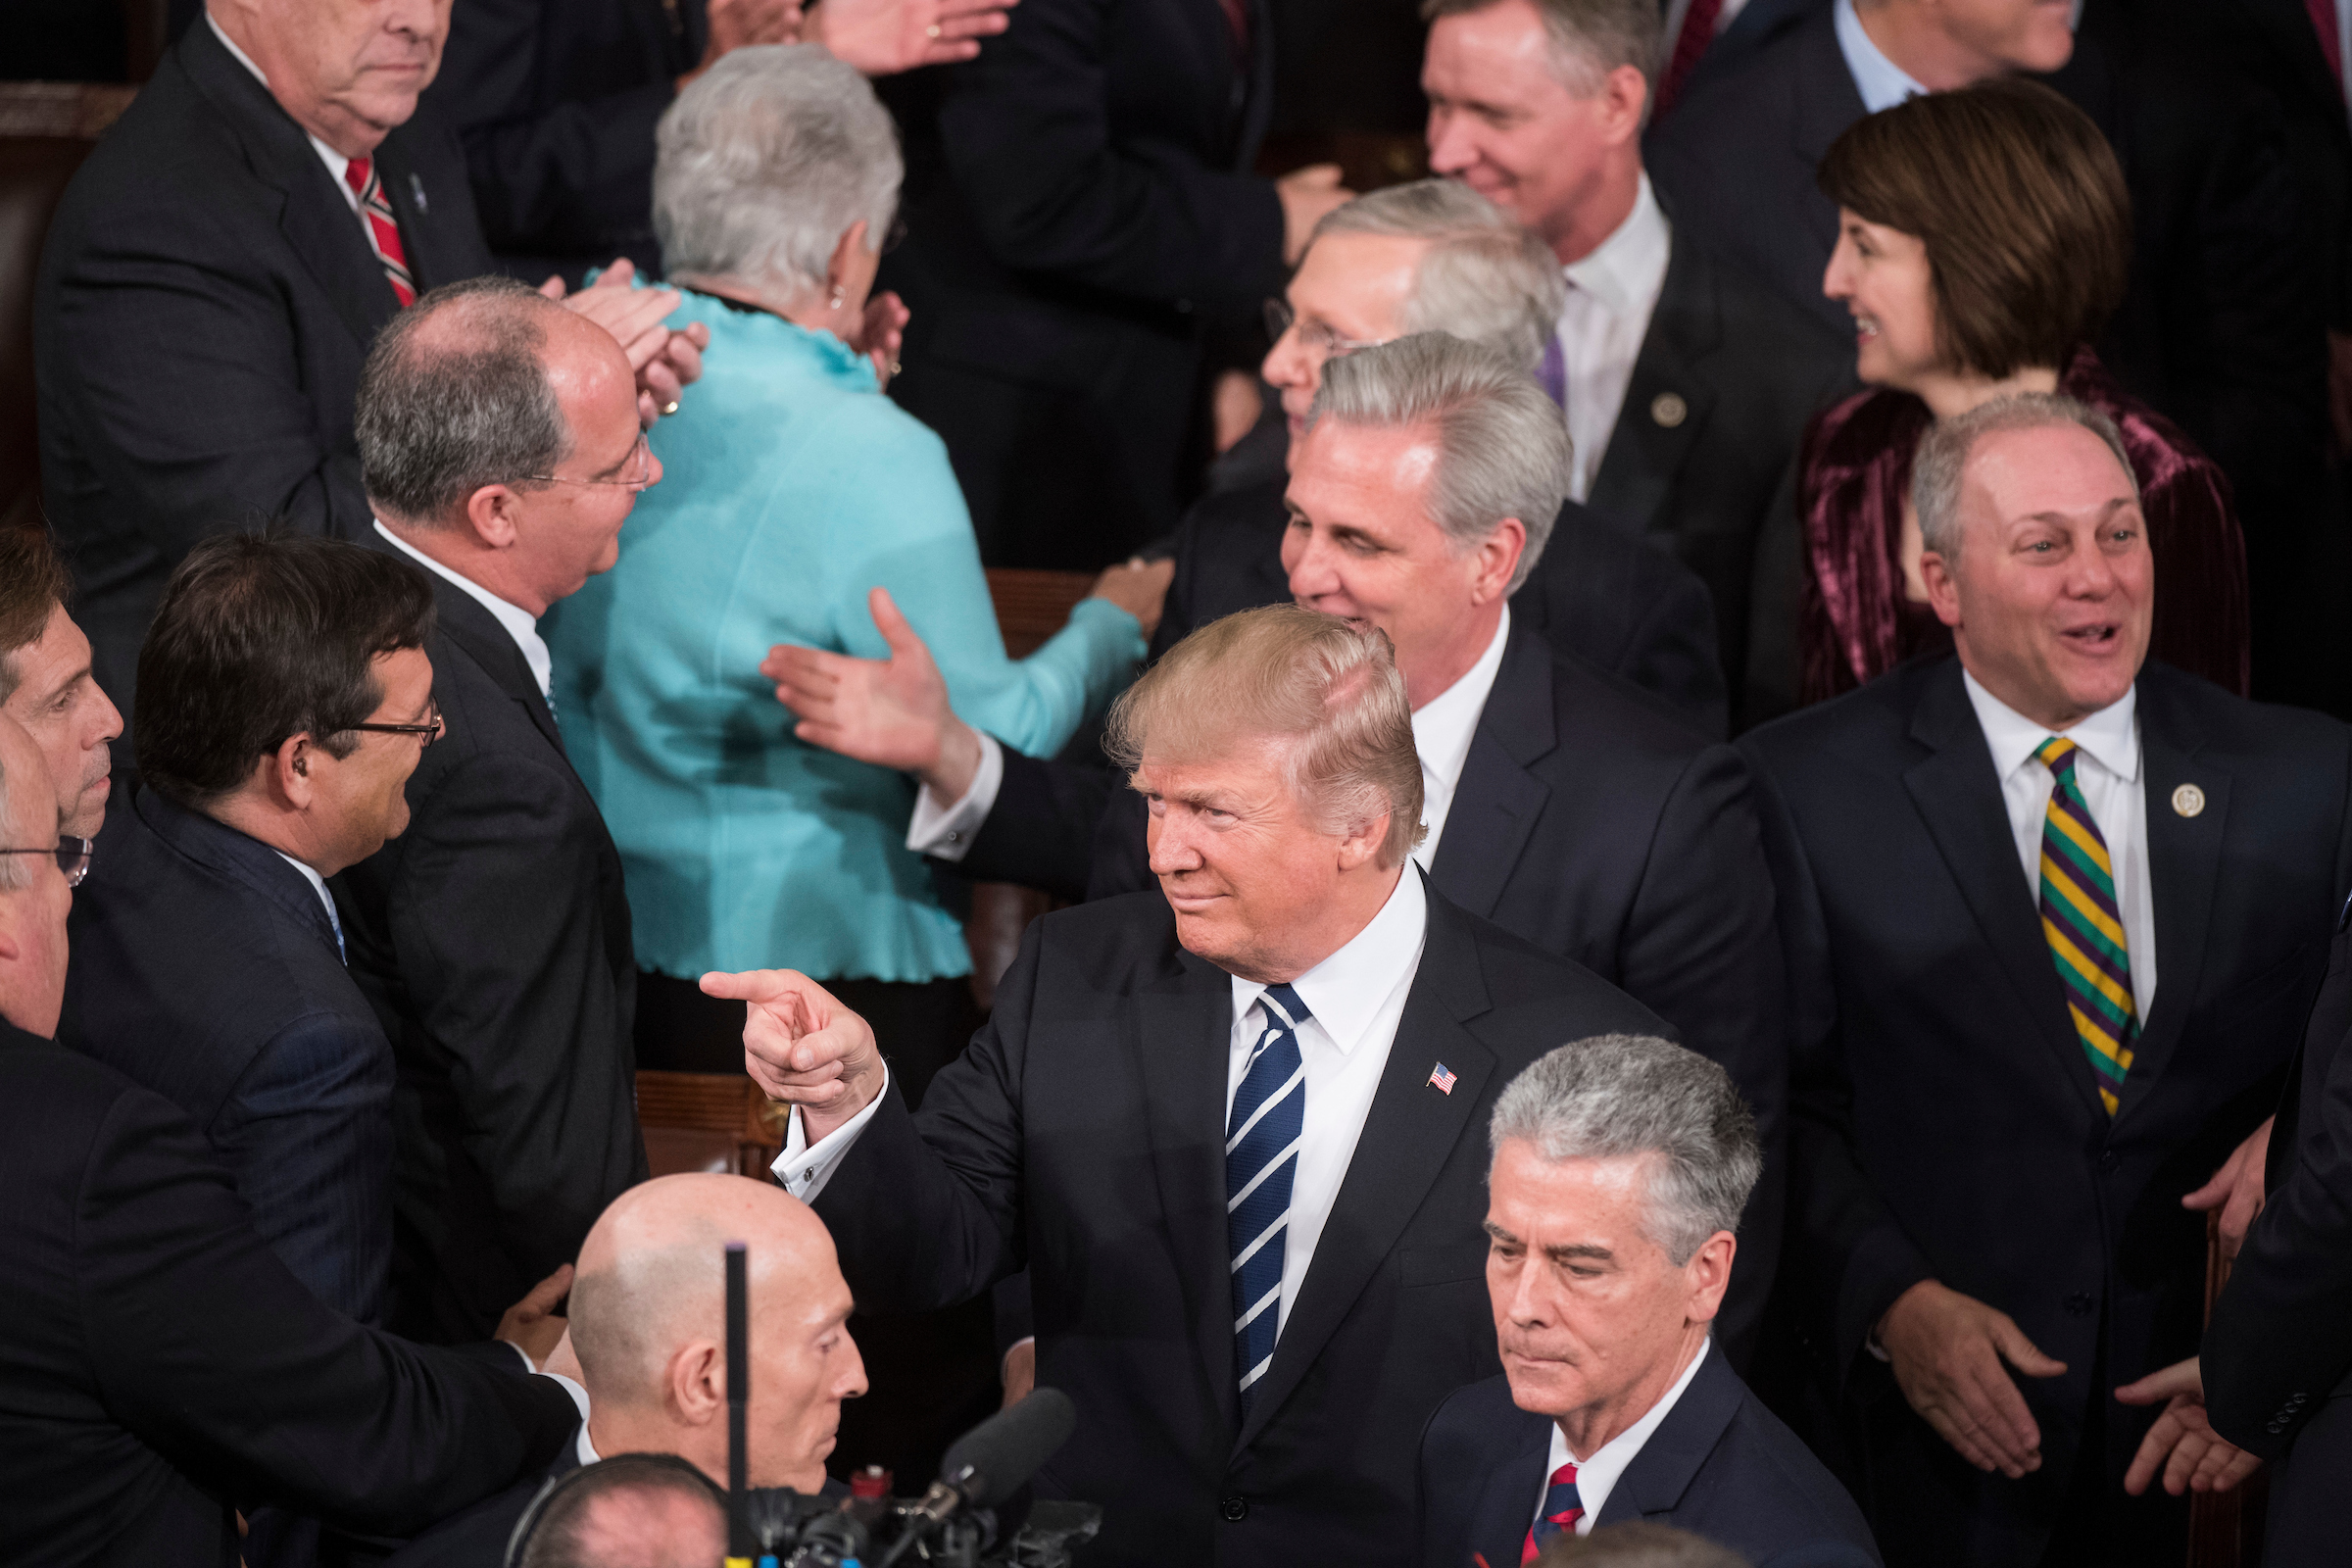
x=1702 y=841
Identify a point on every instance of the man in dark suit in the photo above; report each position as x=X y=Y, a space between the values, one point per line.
x=164 y=1370
x=2052 y=922
x=1079 y=202
x=284 y=701
x=212 y=278
x=1620 y=1168
x=1230 y=1127
x=45 y=680
x=1685 y=384
x=648 y=1321
x=493 y=936
x=1561 y=805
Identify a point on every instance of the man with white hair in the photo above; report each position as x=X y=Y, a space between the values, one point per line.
x=1620 y=1166
x=648 y=1320
x=1227 y=1126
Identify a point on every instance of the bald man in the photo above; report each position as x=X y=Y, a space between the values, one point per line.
x=648 y=1326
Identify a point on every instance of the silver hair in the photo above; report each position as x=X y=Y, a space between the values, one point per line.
x=1588 y=38
x=1502 y=447
x=1484 y=279
x=1615 y=1096
x=1942 y=462
x=764 y=163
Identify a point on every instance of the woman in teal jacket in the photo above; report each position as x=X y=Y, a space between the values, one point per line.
x=793 y=488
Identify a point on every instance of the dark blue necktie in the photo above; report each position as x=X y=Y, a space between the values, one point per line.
x=1261 y=1157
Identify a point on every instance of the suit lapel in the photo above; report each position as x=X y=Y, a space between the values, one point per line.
x=476 y=631
x=1661 y=1473
x=1184 y=1033
x=1506 y=1504
x=1410 y=1134
x=413 y=208
x=1646 y=452
x=2185 y=857
x=1959 y=800
x=1497 y=801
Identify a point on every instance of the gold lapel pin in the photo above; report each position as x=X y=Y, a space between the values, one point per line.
x=1669 y=409
x=2188 y=799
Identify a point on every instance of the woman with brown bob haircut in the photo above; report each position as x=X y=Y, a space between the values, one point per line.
x=1984 y=238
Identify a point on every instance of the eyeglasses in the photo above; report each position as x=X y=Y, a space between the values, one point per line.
x=72 y=856
x=640 y=465
x=1313 y=336
x=431 y=730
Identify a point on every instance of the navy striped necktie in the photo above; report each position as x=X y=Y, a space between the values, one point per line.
x=1261 y=1159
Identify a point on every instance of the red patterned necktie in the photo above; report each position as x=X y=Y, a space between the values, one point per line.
x=1698 y=32
x=1562 y=1508
x=383 y=230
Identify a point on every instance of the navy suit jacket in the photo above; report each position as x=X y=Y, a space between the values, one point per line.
x=205 y=299
x=204 y=969
x=1720 y=1465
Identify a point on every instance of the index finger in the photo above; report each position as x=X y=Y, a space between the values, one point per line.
x=2000 y=1410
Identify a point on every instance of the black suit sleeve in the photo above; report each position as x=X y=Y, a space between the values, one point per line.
x=206 y=1348
x=498 y=917
x=1702 y=949
x=1028 y=131
x=1041 y=831
x=1850 y=1249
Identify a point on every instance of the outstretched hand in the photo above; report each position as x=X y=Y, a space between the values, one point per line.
x=883 y=37
x=2183 y=1444
x=1947 y=1351
x=801 y=1046
x=891 y=712
x=2236 y=1188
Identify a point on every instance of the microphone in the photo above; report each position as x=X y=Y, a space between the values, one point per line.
x=991 y=1463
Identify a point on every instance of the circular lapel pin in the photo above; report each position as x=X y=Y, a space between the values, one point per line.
x=1669 y=409
x=2188 y=799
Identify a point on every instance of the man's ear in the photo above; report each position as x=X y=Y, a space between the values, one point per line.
x=695 y=1383
x=1626 y=94
x=1944 y=586
x=287 y=775
x=1709 y=1272
x=490 y=511
x=1497 y=558
x=1362 y=844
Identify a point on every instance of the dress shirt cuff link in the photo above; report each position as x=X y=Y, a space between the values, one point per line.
x=803 y=1169
x=946 y=831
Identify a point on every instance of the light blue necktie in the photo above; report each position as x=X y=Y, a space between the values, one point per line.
x=1261 y=1158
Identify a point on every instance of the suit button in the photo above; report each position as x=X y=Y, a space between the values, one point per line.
x=2080 y=1304
x=2275 y=1427
x=1234 y=1508
x=2108 y=1161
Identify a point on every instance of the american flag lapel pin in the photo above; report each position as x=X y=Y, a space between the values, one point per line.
x=416 y=189
x=1443 y=1078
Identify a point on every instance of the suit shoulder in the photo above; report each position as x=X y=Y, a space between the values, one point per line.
x=1536 y=993
x=1770 y=324
x=2225 y=719
x=1637 y=728
x=1815 y=1506
x=1115 y=940
x=1854 y=726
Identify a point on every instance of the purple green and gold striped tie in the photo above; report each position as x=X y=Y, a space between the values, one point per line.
x=2084 y=926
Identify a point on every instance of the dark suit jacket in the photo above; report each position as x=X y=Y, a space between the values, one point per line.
x=493 y=938
x=1594 y=592
x=1703 y=459
x=1078 y=200
x=204 y=303
x=2278 y=1350
x=556 y=103
x=204 y=968
x=164 y=1368
x=1943 y=1119
x=1720 y=1465
x=478 y=1537
x=1081 y=1134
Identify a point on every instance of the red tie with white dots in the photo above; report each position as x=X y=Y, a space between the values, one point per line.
x=383 y=230
x=1562 y=1508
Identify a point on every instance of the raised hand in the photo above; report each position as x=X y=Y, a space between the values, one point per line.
x=2236 y=1188
x=531 y=1325
x=1140 y=587
x=891 y=712
x=1948 y=1351
x=801 y=1046
x=883 y=37
x=881 y=332
x=663 y=361
x=2183 y=1444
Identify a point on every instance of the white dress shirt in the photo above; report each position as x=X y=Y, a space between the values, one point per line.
x=2108 y=771
x=1356 y=997
x=1611 y=295
x=334 y=161
x=318 y=886
x=520 y=623
x=1596 y=1477
x=1443 y=729
x=1880 y=81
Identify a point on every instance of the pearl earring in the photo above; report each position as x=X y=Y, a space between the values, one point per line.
x=840 y=298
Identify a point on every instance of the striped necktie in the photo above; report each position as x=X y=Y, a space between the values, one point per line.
x=2084 y=926
x=1261 y=1156
x=1562 y=1508
x=383 y=230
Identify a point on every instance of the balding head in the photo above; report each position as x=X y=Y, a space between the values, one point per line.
x=649 y=1324
x=632 y=1510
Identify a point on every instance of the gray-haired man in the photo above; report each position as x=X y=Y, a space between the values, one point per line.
x=1620 y=1168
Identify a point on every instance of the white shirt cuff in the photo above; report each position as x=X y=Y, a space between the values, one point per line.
x=946 y=831
x=803 y=1170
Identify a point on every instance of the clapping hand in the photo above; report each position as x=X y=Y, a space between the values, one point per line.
x=883 y=37
x=2183 y=1443
x=665 y=361
x=1947 y=1351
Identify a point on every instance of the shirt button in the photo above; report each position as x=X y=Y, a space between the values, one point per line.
x=1234 y=1507
x=2080 y=1304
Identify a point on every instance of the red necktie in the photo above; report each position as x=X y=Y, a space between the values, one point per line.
x=1698 y=32
x=2323 y=18
x=1562 y=1508
x=383 y=230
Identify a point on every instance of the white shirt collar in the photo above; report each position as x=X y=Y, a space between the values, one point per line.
x=1598 y=1476
x=2111 y=736
x=1625 y=272
x=1442 y=726
x=1345 y=990
x=1880 y=81
x=584 y=1449
x=520 y=623
x=335 y=162
x=318 y=885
